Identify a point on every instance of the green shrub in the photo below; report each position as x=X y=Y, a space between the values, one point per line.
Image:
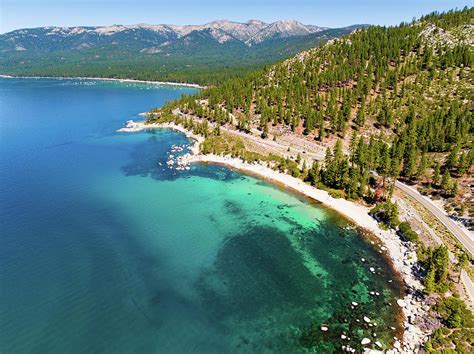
x=455 y=313
x=336 y=193
x=407 y=232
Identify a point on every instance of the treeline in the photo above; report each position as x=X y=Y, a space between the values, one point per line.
x=137 y=69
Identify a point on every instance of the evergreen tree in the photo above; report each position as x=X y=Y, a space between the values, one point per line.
x=446 y=181
x=436 y=173
x=422 y=166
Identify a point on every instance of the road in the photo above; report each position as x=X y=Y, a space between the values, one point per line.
x=467 y=284
x=267 y=145
x=463 y=237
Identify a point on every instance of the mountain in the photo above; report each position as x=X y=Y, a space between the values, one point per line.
x=205 y=53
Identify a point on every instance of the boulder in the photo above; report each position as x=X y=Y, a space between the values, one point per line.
x=401 y=303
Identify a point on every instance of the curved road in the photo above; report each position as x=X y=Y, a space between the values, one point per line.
x=465 y=238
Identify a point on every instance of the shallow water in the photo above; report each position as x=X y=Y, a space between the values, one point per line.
x=105 y=249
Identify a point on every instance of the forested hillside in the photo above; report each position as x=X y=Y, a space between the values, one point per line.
x=400 y=100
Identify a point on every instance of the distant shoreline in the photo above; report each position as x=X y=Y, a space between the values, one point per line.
x=165 y=83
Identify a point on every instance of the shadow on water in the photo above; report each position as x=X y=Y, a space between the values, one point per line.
x=259 y=287
x=276 y=288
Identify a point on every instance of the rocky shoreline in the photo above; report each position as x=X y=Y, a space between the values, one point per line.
x=404 y=259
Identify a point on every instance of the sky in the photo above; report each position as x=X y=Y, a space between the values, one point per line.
x=16 y=14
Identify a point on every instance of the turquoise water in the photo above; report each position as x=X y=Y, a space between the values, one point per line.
x=105 y=250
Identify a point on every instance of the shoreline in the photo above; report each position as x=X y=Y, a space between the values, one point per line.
x=164 y=83
x=402 y=259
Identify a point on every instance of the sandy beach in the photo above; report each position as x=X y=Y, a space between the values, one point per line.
x=167 y=83
x=402 y=258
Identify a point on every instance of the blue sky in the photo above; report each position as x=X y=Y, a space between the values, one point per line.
x=16 y=14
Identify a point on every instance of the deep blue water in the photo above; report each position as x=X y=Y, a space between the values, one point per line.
x=104 y=250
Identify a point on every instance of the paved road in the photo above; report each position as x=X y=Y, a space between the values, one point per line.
x=467 y=284
x=465 y=238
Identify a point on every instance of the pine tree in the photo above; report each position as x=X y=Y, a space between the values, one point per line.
x=384 y=167
x=360 y=117
x=430 y=281
x=314 y=174
x=410 y=161
x=265 y=130
x=436 y=172
x=454 y=188
x=393 y=215
x=452 y=160
x=446 y=181
x=422 y=166
x=463 y=164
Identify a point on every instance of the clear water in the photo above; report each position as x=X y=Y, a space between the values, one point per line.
x=105 y=250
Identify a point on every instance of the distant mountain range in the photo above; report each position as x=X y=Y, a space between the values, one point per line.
x=151 y=37
x=183 y=53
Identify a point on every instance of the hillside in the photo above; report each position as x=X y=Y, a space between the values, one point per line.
x=202 y=54
x=401 y=97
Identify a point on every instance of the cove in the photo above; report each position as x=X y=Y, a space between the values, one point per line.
x=103 y=248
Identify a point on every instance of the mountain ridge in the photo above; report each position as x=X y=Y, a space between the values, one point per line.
x=250 y=33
